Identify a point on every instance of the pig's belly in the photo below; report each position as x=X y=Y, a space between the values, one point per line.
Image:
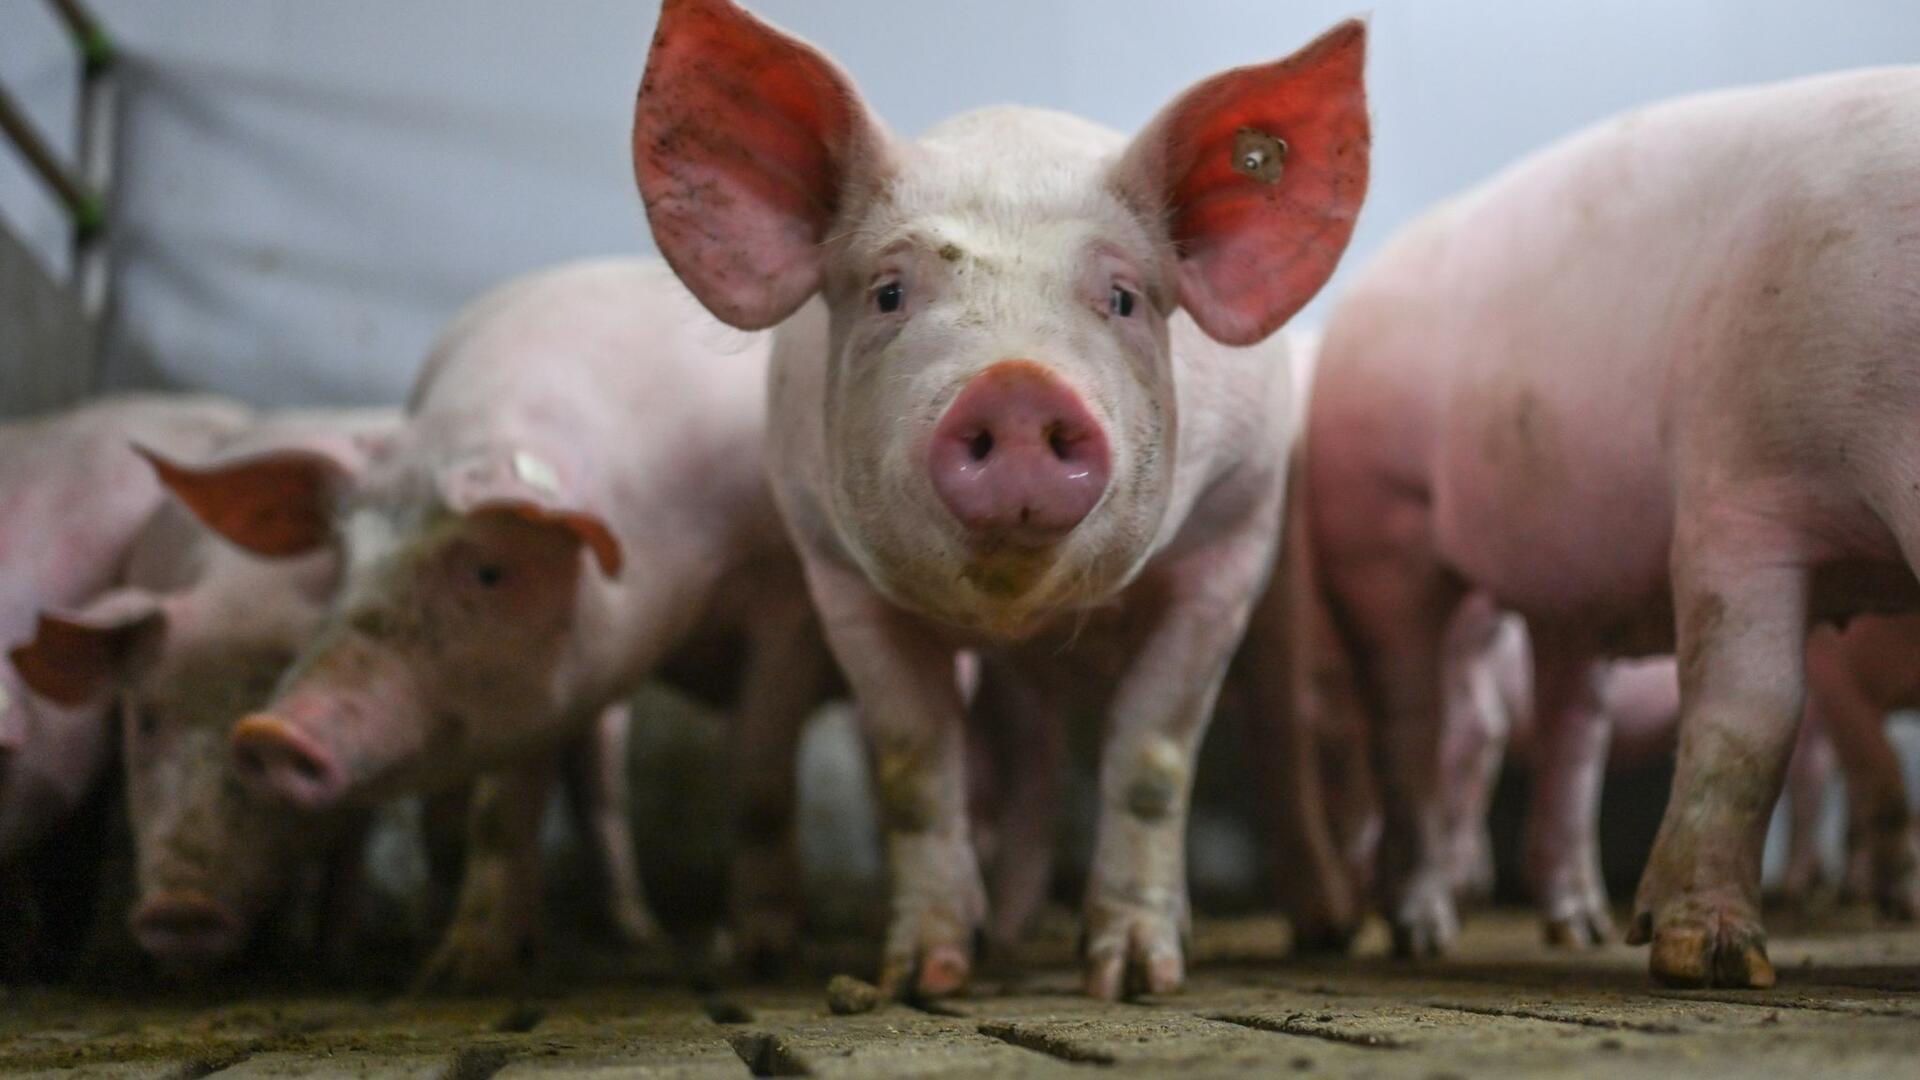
x=1558 y=519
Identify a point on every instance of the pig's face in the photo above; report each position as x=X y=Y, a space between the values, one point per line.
x=445 y=647
x=999 y=410
x=1025 y=283
x=210 y=859
x=440 y=655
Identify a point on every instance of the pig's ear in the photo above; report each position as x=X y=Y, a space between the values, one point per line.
x=529 y=487
x=746 y=145
x=77 y=657
x=1258 y=174
x=278 y=503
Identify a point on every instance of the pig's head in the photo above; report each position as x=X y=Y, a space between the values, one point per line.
x=1000 y=402
x=210 y=860
x=445 y=646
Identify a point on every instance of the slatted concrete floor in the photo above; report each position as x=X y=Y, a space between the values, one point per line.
x=1848 y=1004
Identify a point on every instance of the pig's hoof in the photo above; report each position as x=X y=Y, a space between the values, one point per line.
x=932 y=971
x=1900 y=899
x=1803 y=884
x=1896 y=876
x=467 y=963
x=1582 y=931
x=1701 y=947
x=636 y=927
x=1425 y=924
x=765 y=941
x=1323 y=937
x=1580 y=922
x=1131 y=953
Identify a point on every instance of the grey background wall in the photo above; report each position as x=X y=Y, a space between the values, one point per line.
x=310 y=188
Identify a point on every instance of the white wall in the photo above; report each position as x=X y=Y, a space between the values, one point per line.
x=311 y=188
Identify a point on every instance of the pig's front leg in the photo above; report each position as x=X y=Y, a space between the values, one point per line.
x=494 y=919
x=786 y=675
x=902 y=676
x=1136 y=909
x=1740 y=617
x=604 y=810
x=1569 y=764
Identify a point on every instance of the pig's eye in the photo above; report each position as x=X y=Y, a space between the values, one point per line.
x=1120 y=301
x=489 y=575
x=148 y=723
x=888 y=297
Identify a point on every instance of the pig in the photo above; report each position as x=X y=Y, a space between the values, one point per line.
x=1651 y=389
x=1018 y=404
x=1489 y=714
x=575 y=503
x=73 y=496
x=193 y=638
x=1855 y=676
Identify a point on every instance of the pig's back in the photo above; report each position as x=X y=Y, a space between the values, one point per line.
x=611 y=369
x=1545 y=336
x=73 y=494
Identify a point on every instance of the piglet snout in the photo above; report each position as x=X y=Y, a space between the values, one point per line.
x=277 y=761
x=1018 y=457
x=185 y=927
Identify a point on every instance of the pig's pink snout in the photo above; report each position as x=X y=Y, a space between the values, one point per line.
x=277 y=761
x=1018 y=457
x=185 y=927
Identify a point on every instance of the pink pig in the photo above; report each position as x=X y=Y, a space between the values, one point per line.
x=1653 y=389
x=192 y=639
x=575 y=504
x=73 y=496
x=1005 y=415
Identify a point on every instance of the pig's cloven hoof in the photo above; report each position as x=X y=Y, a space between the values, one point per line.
x=934 y=971
x=766 y=940
x=1582 y=931
x=1325 y=939
x=1425 y=923
x=1804 y=884
x=1896 y=875
x=1580 y=921
x=636 y=927
x=1703 y=947
x=469 y=960
x=1132 y=952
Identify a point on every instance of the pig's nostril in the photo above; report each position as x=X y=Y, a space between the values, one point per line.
x=1058 y=442
x=307 y=768
x=980 y=445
